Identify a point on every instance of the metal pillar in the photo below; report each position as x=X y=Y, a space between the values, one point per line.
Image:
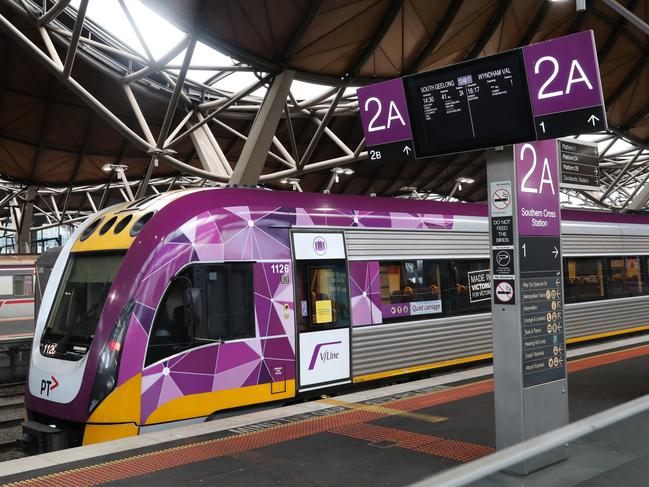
x=255 y=151
x=209 y=152
x=26 y=217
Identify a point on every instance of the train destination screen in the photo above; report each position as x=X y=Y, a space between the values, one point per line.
x=469 y=106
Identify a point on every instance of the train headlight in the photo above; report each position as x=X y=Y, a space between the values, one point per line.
x=106 y=377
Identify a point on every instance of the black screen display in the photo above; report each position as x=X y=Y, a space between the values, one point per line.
x=468 y=106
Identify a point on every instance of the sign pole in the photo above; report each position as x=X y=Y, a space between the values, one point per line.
x=530 y=390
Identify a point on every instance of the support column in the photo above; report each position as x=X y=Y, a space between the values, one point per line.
x=255 y=151
x=530 y=390
x=23 y=231
x=209 y=152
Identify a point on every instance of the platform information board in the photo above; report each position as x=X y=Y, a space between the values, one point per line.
x=579 y=163
x=541 y=277
x=527 y=308
x=537 y=92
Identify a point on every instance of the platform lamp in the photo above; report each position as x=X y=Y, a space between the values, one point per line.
x=294 y=182
x=458 y=185
x=120 y=169
x=335 y=177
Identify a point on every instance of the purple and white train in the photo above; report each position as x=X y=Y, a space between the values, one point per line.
x=172 y=308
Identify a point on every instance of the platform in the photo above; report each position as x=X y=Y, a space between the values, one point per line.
x=392 y=435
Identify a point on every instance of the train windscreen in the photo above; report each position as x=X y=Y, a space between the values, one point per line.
x=80 y=299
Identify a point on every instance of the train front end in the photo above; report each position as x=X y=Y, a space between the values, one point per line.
x=79 y=336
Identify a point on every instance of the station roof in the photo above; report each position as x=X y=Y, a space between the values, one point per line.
x=49 y=137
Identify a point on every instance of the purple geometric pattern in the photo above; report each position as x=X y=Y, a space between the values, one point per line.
x=365 y=287
x=273 y=299
x=234 y=233
x=239 y=233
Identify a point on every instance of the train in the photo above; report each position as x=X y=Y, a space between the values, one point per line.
x=17 y=289
x=167 y=310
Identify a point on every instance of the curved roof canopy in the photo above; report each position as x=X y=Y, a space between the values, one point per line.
x=52 y=135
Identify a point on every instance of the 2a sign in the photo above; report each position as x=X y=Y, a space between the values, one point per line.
x=537 y=187
x=384 y=114
x=564 y=86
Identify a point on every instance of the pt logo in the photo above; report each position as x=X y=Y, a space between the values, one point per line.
x=324 y=355
x=49 y=385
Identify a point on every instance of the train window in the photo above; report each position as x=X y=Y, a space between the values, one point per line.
x=23 y=285
x=321 y=288
x=138 y=225
x=462 y=294
x=170 y=333
x=121 y=225
x=229 y=299
x=226 y=309
x=624 y=277
x=584 y=279
x=80 y=299
x=106 y=226
x=89 y=229
x=409 y=288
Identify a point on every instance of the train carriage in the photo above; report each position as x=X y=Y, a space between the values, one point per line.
x=169 y=309
x=17 y=275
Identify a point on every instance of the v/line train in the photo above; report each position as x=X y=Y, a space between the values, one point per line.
x=169 y=309
x=17 y=281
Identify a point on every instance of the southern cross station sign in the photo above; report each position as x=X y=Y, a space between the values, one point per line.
x=537 y=92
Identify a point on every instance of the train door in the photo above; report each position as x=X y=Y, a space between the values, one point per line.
x=323 y=312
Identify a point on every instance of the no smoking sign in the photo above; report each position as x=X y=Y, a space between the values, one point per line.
x=501 y=198
x=504 y=292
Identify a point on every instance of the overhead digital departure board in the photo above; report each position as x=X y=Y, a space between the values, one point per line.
x=537 y=92
x=467 y=106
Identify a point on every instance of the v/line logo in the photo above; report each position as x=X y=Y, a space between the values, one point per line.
x=324 y=355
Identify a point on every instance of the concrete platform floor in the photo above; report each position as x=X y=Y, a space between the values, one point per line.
x=389 y=436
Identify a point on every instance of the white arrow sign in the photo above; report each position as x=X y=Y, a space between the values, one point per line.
x=592 y=119
x=555 y=252
x=407 y=150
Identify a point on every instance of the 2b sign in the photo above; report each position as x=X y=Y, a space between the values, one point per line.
x=384 y=114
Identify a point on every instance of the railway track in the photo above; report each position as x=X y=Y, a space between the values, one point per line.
x=12 y=412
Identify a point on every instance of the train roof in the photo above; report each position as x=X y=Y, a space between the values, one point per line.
x=313 y=202
x=17 y=259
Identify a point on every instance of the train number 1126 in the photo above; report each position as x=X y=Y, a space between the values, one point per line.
x=279 y=268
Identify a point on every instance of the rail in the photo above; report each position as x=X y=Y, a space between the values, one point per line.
x=502 y=459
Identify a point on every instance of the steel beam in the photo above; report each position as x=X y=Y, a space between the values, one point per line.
x=255 y=151
x=53 y=12
x=209 y=152
x=169 y=115
x=633 y=19
x=24 y=229
x=315 y=140
x=74 y=40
